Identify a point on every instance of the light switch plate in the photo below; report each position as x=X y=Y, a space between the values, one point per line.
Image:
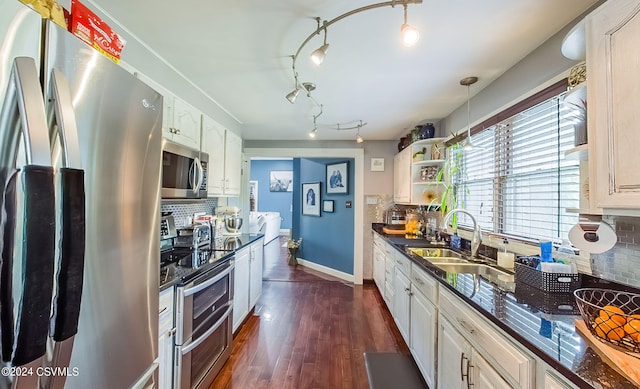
x=348 y=204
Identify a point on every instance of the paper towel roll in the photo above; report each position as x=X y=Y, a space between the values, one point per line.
x=593 y=237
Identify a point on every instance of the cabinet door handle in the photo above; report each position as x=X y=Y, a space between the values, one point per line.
x=469 y=367
x=462 y=359
x=418 y=280
x=177 y=132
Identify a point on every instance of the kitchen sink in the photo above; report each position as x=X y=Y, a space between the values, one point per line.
x=471 y=268
x=432 y=253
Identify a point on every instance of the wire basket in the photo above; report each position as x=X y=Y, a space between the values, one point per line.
x=612 y=316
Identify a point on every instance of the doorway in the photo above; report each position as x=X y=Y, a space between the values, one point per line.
x=357 y=155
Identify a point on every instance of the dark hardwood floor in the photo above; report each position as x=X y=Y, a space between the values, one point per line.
x=309 y=330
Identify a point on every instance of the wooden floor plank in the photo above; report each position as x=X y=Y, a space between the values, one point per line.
x=309 y=330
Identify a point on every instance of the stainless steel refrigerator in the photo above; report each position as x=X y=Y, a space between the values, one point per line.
x=80 y=167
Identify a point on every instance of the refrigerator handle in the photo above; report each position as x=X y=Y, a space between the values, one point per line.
x=200 y=175
x=23 y=115
x=69 y=281
x=25 y=93
x=38 y=242
x=62 y=120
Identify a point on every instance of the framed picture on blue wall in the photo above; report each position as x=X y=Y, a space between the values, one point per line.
x=311 y=199
x=338 y=178
x=281 y=181
x=327 y=205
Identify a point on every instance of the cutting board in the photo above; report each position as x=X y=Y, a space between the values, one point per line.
x=623 y=363
x=393 y=231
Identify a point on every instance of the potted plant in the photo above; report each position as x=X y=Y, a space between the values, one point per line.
x=293 y=246
x=452 y=168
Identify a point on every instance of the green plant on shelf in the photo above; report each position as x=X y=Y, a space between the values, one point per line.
x=450 y=174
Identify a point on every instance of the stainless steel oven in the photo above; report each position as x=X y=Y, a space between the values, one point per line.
x=204 y=316
x=184 y=171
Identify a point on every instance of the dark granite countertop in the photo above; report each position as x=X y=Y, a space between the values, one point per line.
x=222 y=251
x=542 y=322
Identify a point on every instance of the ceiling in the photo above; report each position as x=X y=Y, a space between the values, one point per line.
x=239 y=54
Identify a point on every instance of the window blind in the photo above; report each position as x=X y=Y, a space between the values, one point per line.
x=518 y=183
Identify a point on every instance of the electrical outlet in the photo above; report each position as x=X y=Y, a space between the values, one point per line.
x=348 y=204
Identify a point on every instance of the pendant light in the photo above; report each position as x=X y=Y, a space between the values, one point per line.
x=467 y=145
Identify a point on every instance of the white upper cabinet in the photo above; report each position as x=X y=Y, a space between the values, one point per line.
x=181 y=122
x=232 y=163
x=613 y=38
x=186 y=124
x=213 y=144
x=225 y=158
x=402 y=177
x=415 y=173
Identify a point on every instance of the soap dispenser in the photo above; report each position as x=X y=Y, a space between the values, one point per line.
x=505 y=258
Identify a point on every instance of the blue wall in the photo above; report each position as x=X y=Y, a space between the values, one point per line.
x=272 y=201
x=326 y=240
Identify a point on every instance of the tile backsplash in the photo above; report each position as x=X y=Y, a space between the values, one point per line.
x=622 y=262
x=181 y=212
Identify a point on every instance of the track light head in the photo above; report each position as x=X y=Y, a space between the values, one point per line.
x=359 y=139
x=313 y=133
x=409 y=34
x=293 y=95
x=317 y=57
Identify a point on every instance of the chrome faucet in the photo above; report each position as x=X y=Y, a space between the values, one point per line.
x=477 y=233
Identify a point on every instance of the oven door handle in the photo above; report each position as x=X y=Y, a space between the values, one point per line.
x=186 y=349
x=208 y=283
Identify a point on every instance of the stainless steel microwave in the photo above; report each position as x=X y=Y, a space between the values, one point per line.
x=184 y=172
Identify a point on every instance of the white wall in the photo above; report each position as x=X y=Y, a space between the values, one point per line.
x=138 y=55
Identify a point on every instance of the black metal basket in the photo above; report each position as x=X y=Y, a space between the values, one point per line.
x=612 y=316
x=548 y=282
x=548 y=303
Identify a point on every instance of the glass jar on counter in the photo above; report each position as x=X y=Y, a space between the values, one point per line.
x=414 y=223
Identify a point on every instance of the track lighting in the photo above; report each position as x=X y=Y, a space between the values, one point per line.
x=409 y=34
x=409 y=37
x=467 y=145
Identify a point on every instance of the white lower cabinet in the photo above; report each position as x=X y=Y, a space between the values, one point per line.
x=510 y=361
x=247 y=280
x=402 y=304
x=166 y=337
x=378 y=265
x=483 y=376
x=241 y=287
x=460 y=365
x=453 y=356
x=423 y=329
x=255 y=271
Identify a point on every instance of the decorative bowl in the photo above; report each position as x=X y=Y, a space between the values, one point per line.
x=612 y=316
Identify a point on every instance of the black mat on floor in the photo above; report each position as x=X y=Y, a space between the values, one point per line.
x=392 y=371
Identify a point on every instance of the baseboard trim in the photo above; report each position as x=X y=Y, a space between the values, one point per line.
x=326 y=270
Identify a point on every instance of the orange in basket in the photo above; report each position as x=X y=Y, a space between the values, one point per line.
x=632 y=328
x=608 y=329
x=614 y=313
